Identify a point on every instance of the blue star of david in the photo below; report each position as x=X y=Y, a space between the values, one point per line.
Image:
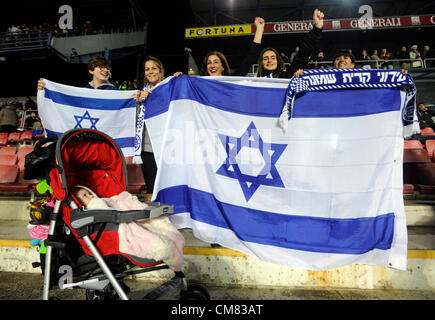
x=86 y=116
x=268 y=176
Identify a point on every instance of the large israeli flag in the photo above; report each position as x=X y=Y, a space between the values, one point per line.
x=324 y=193
x=113 y=112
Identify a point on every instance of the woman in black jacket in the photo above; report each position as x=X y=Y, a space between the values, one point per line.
x=270 y=63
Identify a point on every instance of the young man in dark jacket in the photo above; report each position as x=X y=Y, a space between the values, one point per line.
x=99 y=68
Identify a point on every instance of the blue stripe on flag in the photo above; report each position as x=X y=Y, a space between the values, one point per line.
x=327 y=235
x=268 y=102
x=89 y=103
x=121 y=142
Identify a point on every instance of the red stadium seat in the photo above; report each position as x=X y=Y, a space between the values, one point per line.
x=27 y=136
x=14 y=137
x=8 y=173
x=425 y=189
x=430 y=147
x=426 y=173
x=427 y=131
x=415 y=156
x=8 y=159
x=24 y=150
x=408 y=188
x=413 y=144
x=136 y=182
x=3 y=138
x=8 y=150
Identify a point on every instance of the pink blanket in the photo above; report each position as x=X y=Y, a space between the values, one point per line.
x=154 y=238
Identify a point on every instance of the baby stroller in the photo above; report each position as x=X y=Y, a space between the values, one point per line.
x=82 y=247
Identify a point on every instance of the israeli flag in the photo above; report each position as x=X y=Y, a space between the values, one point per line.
x=62 y=108
x=324 y=193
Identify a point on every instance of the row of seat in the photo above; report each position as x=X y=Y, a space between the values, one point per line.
x=419 y=166
x=16 y=137
x=12 y=162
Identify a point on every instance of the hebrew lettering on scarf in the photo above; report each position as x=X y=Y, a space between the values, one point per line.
x=326 y=79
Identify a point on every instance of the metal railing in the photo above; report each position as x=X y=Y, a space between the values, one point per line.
x=24 y=41
x=22 y=116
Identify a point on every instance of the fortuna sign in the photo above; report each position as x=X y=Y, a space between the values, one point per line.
x=305 y=26
x=217 y=31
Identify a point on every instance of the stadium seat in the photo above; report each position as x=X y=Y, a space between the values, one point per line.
x=14 y=137
x=136 y=182
x=430 y=147
x=3 y=138
x=27 y=136
x=408 y=188
x=426 y=173
x=24 y=150
x=22 y=181
x=413 y=144
x=415 y=156
x=8 y=150
x=8 y=159
x=425 y=189
x=427 y=131
x=8 y=173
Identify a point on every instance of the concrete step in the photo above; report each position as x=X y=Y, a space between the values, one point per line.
x=226 y=267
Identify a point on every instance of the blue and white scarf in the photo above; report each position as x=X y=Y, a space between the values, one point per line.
x=140 y=127
x=327 y=79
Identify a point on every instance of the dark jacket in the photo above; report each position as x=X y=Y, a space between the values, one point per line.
x=310 y=43
x=104 y=86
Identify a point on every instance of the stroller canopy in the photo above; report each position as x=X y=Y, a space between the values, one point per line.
x=89 y=158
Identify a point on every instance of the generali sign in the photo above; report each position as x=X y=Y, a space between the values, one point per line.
x=304 y=26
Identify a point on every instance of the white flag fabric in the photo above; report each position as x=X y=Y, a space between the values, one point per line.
x=325 y=193
x=62 y=108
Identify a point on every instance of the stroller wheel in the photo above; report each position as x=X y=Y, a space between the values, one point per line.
x=192 y=295
x=195 y=287
x=107 y=294
x=99 y=295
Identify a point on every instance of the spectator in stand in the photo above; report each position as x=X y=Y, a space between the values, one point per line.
x=89 y=29
x=33 y=121
x=123 y=85
x=319 y=58
x=427 y=54
x=385 y=55
x=424 y=117
x=375 y=56
x=403 y=54
x=365 y=56
x=415 y=54
x=29 y=103
x=284 y=57
x=8 y=119
x=294 y=53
